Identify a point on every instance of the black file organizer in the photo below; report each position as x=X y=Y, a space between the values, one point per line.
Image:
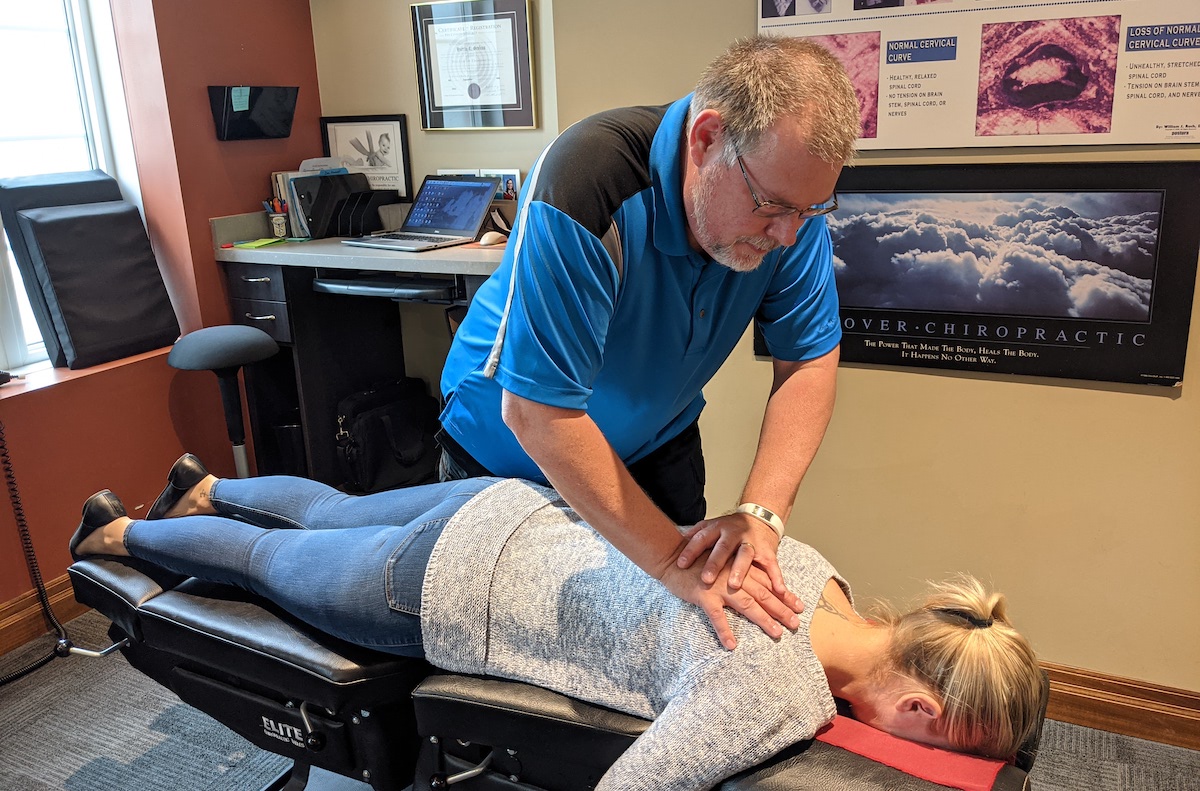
x=267 y=112
x=341 y=205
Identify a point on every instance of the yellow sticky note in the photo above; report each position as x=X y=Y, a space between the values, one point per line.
x=258 y=242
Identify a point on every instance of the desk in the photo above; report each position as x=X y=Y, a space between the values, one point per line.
x=332 y=345
x=465 y=260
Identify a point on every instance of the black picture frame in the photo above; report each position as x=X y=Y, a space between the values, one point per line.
x=356 y=141
x=1080 y=271
x=474 y=64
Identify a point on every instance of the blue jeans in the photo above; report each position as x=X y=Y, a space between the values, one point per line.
x=353 y=567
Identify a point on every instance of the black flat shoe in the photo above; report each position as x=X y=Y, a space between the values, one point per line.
x=98 y=510
x=186 y=472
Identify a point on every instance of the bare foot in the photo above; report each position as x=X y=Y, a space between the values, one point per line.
x=108 y=540
x=196 y=501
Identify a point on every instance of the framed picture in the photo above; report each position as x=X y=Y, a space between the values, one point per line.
x=474 y=69
x=510 y=182
x=1075 y=271
x=376 y=145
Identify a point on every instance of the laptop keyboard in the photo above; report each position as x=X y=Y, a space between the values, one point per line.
x=414 y=237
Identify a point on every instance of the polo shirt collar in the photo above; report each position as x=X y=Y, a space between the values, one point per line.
x=666 y=173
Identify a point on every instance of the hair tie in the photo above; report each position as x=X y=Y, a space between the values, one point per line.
x=978 y=623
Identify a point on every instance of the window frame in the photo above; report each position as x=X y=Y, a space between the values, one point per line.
x=97 y=76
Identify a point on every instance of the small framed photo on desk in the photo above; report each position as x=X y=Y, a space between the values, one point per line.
x=375 y=145
x=510 y=182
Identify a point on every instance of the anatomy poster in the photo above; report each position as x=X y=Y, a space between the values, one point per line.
x=952 y=73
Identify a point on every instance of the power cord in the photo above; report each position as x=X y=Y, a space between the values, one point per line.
x=63 y=644
x=6 y=377
x=496 y=221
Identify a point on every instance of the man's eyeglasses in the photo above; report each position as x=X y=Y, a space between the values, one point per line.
x=766 y=208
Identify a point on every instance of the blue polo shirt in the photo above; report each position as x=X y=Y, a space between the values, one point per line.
x=631 y=340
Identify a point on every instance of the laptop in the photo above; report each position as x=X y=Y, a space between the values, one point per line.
x=448 y=210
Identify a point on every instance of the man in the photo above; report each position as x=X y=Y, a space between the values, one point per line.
x=646 y=241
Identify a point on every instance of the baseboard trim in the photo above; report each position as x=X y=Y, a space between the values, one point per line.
x=22 y=619
x=1125 y=706
x=1081 y=697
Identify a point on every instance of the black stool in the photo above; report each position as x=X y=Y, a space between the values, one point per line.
x=223 y=350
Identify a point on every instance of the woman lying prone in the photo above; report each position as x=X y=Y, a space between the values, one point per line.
x=500 y=577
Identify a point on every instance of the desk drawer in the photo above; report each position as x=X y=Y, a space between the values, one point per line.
x=255 y=281
x=269 y=316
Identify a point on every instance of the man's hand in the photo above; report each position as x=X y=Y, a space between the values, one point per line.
x=738 y=541
x=754 y=599
x=578 y=462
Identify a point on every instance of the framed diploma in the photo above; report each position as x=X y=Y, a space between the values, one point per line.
x=474 y=69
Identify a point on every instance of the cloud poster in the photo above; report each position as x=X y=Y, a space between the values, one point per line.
x=1076 y=255
x=1082 y=271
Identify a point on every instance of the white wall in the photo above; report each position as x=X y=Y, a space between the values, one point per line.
x=1079 y=500
x=366 y=65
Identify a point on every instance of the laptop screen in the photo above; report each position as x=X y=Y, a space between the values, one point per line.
x=451 y=204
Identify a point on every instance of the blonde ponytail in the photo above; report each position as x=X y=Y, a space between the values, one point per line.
x=962 y=646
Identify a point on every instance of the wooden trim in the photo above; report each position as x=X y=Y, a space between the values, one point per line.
x=22 y=620
x=1121 y=705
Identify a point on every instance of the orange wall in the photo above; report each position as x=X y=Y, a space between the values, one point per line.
x=170 y=53
x=120 y=427
x=116 y=427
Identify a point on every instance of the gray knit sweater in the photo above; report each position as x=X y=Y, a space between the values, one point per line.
x=519 y=587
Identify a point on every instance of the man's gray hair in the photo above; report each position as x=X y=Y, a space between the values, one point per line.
x=761 y=79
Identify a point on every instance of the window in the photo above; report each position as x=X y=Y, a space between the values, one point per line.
x=53 y=123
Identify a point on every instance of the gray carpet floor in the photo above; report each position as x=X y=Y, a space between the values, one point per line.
x=99 y=725
x=1073 y=758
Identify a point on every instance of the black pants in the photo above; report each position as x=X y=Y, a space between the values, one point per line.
x=672 y=476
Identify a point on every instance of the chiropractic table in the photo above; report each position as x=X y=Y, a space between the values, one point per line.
x=390 y=722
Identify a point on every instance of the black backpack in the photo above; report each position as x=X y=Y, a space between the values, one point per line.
x=385 y=436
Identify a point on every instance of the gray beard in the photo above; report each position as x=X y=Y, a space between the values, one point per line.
x=725 y=254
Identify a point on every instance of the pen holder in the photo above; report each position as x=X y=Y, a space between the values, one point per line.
x=279 y=225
